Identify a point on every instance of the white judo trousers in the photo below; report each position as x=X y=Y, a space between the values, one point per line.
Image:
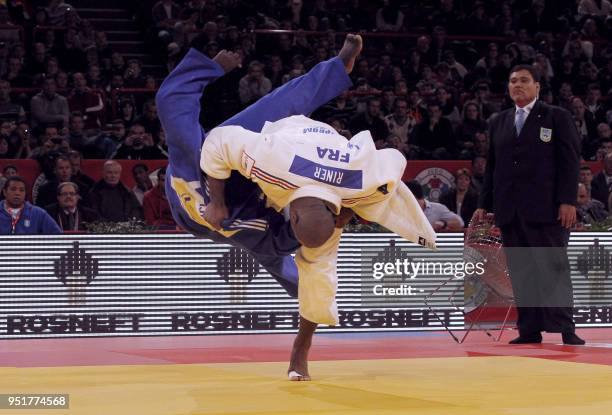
x=299 y=157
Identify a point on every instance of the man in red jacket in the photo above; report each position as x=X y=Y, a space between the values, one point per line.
x=156 y=208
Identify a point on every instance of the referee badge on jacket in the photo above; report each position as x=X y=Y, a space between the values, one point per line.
x=545 y=134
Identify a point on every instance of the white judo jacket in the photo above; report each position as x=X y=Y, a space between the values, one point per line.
x=297 y=157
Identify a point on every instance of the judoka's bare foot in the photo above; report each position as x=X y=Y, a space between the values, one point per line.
x=228 y=60
x=298 y=366
x=350 y=50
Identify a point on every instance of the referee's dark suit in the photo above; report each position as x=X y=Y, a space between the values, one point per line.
x=528 y=178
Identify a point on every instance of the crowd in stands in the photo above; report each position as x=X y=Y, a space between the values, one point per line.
x=431 y=76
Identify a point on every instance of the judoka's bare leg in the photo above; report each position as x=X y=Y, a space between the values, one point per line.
x=304 y=94
x=298 y=366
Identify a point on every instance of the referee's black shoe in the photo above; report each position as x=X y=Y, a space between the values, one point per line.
x=530 y=338
x=571 y=338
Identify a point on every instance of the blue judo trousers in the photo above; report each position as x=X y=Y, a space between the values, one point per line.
x=260 y=230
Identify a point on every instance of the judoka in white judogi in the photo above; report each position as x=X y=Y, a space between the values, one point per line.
x=299 y=157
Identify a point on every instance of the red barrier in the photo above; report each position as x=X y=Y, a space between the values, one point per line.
x=435 y=175
x=29 y=169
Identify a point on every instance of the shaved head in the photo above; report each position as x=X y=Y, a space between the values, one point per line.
x=312 y=221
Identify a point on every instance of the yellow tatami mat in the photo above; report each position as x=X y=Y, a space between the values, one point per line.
x=449 y=386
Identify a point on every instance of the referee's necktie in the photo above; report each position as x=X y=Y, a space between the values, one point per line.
x=520 y=120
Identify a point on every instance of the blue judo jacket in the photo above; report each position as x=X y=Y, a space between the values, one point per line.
x=33 y=221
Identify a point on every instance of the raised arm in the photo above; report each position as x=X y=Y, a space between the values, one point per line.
x=178 y=100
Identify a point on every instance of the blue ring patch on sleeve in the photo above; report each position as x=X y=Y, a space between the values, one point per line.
x=350 y=179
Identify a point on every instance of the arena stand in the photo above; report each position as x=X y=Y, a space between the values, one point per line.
x=453 y=53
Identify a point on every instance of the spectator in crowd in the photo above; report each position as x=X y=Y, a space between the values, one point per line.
x=587 y=128
x=56 y=12
x=111 y=200
x=605 y=148
x=455 y=66
x=393 y=141
x=537 y=18
x=149 y=119
x=16 y=74
x=61 y=79
x=414 y=67
x=482 y=98
x=68 y=212
x=17 y=216
x=133 y=77
x=95 y=78
x=370 y=120
x=594 y=8
x=70 y=54
x=461 y=200
x=500 y=73
x=62 y=172
x=589 y=211
x=41 y=17
x=162 y=145
x=52 y=142
x=5 y=151
x=491 y=58
x=37 y=64
x=117 y=64
x=156 y=208
x=602 y=182
x=78 y=139
x=594 y=105
x=165 y=14
x=449 y=109
x=9 y=131
x=478 y=22
x=48 y=106
x=254 y=84
x=479 y=165
x=128 y=112
x=140 y=172
x=87 y=102
x=113 y=136
x=387 y=101
x=105 y=52
x=577 y=49
x=138 y=145
x=604 y=133
x=399 y=122
x=341 y=108
x=434 y=135
x=357 y=16
x=7 y=171
x=9 y=110
x=586 y=176
x=471 y=124
x=77 y=174
x=416 y=108
x=9 y=32
x=439 y=216
x=586 y=77
x=389 y=18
